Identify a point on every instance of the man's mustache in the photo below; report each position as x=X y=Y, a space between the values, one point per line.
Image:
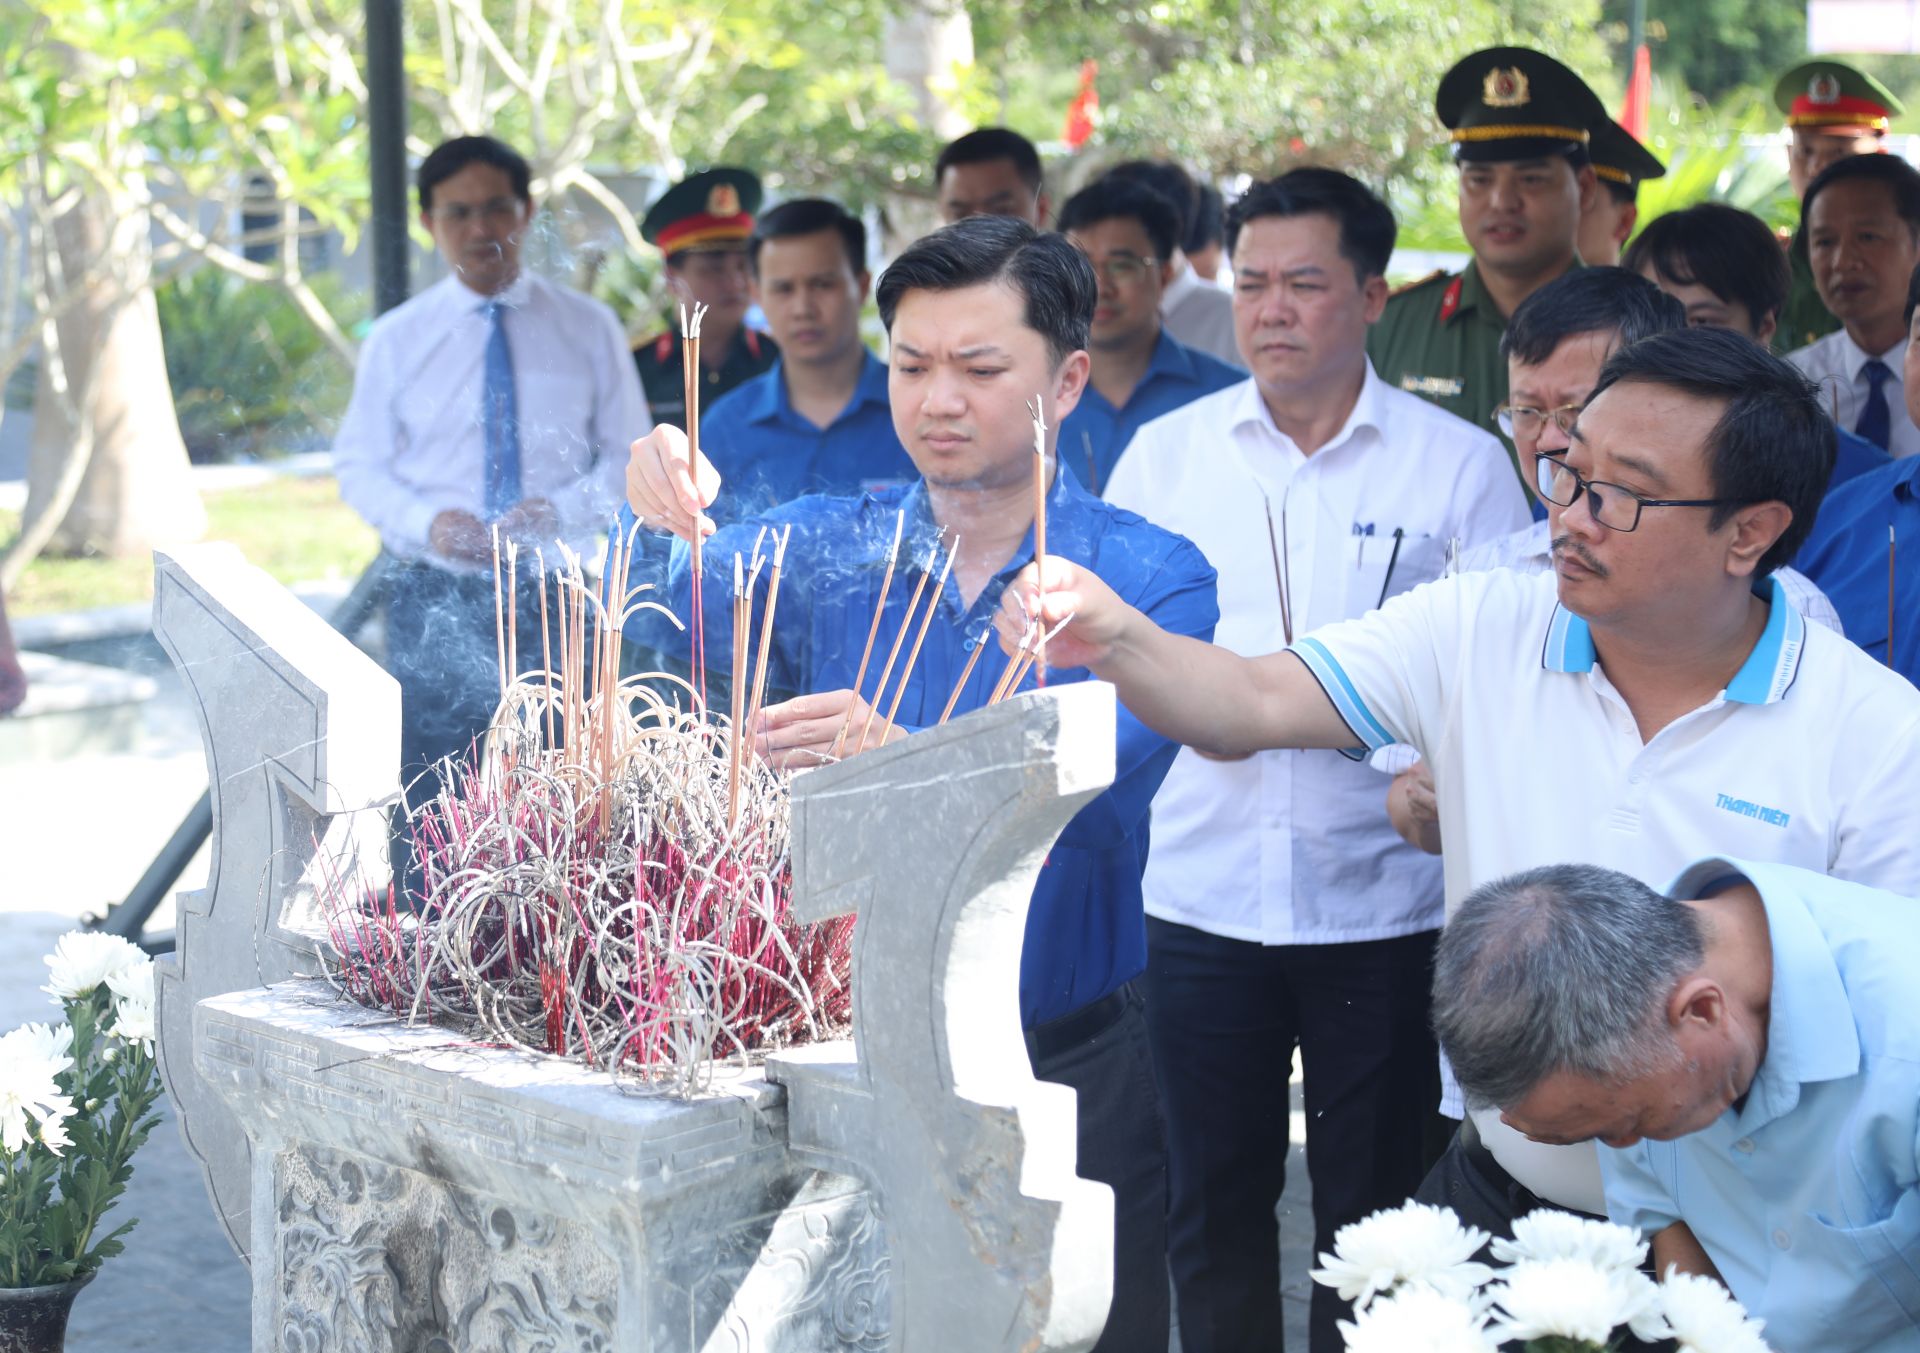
x=1571 y=546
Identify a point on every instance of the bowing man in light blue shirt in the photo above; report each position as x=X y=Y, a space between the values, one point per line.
x=818 y=420
x=1129 y=233
x=1748 y=1051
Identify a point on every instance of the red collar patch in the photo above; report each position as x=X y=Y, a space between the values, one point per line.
x=1450 y=299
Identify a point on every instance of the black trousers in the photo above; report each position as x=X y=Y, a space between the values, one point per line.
x=1226 y=1016
x=1102 y=1052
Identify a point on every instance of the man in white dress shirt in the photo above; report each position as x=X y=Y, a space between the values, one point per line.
x=1195 y=311
x=1863 y=239
x=1282 y=910
x=494 y=399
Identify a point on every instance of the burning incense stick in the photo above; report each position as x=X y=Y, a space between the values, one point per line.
x=546 y=642
x=926 y=622
x=1005 y=683
x=741 y=624
x=1038 y=410
x=979 y=647
x=1023 y=665
x=690 y=380
x=873 y=630
x=766 y=625
x=906 y=623
x=499 y=618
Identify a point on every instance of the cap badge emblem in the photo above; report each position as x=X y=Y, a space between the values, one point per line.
x=723 y=200
x=1823 y=88
x=1505 y=87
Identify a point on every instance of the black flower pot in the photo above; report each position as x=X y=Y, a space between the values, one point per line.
x=34 y=1319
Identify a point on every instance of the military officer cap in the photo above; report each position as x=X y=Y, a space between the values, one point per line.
x=709 y=211
x=1832 y=97
x=1512 y=103
x=1618 y=159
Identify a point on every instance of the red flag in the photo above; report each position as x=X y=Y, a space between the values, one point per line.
x=1085 y=106
x=1634 y=113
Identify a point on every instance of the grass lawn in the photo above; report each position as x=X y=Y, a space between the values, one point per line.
x=296 y=529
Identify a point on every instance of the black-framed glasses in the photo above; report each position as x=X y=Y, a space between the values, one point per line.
x=1613 y=507
x=1527 y=423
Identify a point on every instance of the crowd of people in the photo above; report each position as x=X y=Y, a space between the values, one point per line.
x=1515 y=668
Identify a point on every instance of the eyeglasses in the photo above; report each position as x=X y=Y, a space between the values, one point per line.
x=1124 y=270
x=499 y=210
x=1518 y=420
x=1613 y=507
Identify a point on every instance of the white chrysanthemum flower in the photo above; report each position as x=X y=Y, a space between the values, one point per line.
x=29 y=1094
x=1705 y=1318
x=134 y=982
x=1418 y=1317
x=1573 y=1299
x=81 y=960
x=51 y=1042
x=133 y=1022
x=1414 y=1243
x=1549 y=1233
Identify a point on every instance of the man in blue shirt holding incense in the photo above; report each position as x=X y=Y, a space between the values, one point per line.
x=1139 y=371
x=818 y=421
x=985 y=316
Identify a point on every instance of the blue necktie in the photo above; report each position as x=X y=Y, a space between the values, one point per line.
x=1876 y=420
x=500 y=417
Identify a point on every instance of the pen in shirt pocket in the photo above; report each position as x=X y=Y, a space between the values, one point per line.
x=1399 y=534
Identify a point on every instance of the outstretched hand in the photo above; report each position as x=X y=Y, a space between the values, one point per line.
x=664 y=490
x=802 y=732
x=1098 y=616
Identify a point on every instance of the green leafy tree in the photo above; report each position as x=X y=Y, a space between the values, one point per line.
x=1715 y=47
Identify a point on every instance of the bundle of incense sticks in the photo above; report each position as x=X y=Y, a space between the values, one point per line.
x=690 y=383
x=906 y=623
x=1021 y=661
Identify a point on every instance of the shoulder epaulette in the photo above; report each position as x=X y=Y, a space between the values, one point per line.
x=1417 y=283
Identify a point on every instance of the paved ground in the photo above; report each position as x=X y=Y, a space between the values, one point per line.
x=79 y=831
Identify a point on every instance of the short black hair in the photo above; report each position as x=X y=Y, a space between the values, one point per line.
x=1730 y=252
x=1053 y=276
x=1589 y=301
x=1109 y=198
x=985 y=144
x=810 y=216
x=1169 y=180
x=1901 y=178
x=1209 y=224
x=1774 y=441
x=1367 y=229
x=450 y=157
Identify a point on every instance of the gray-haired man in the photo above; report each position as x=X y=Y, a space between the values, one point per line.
x=1746 y=1050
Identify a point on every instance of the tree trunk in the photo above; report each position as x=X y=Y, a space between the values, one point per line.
x=137 y=491
x=928 y=43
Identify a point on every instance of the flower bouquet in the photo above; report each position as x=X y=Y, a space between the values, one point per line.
x=76 y=1101
x=1569 y=1285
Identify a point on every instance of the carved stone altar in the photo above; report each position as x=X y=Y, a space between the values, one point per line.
x=393 y=1189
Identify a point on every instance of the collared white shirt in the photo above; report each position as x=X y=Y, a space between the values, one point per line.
x=1200 y=315
x=1294 y=847
x=1530 y=550
x=1809 y=757
x=412 y=443
x=1833 y=363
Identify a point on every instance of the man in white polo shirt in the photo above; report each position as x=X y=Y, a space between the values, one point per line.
x=1652 y=700
x=1282 y=911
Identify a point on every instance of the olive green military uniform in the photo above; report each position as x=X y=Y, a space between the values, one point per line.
x=1832 y=98
x=658 y=359
x=1440 y=339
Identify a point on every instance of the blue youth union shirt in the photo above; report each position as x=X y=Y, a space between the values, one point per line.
x=1086 y=928
x=767 y=453
x=1847 y=557
x=1094 y=435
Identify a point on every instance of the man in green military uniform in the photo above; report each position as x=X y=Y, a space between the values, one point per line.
x=1520 y=125
x=1832 y=111
x=702 y=225
x=1621 y=164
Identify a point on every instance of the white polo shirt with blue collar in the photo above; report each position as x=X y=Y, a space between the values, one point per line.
x=1807 y=1195
x=1810 y=757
